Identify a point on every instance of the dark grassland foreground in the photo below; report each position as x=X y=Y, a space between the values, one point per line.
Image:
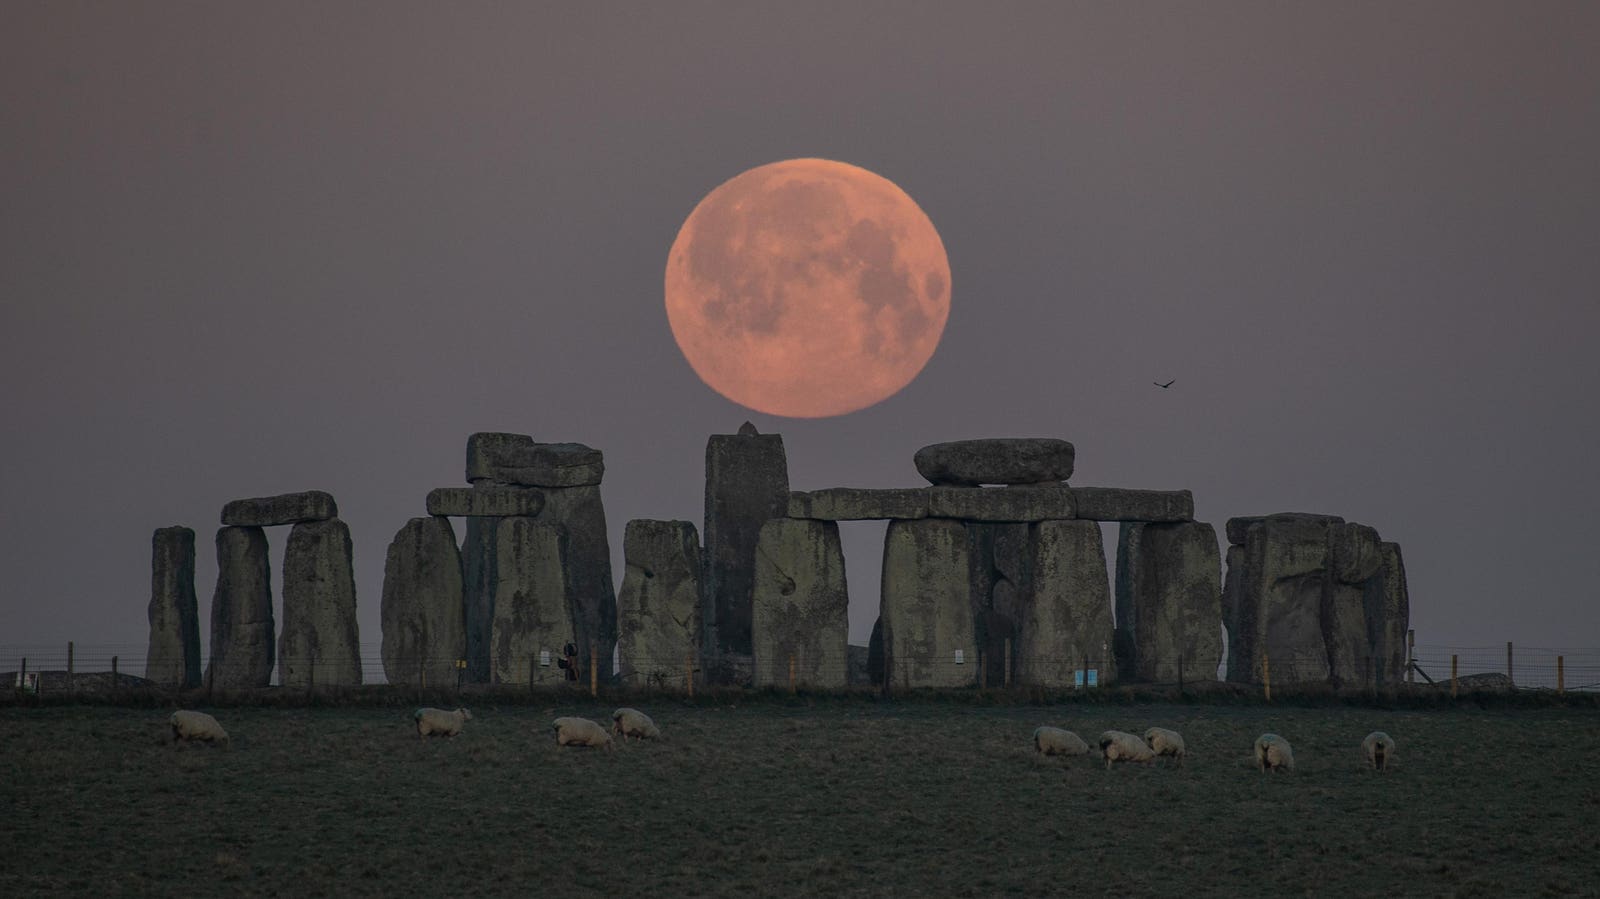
x=775 y=796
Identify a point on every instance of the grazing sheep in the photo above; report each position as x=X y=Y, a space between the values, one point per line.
x=441 y=722
x=1166 y=742
x=1055 y=741
x=582 y=732
x=1117 y=746
x=1273 y=753
x=1378 y=747
x=188 y=726
x=634 y=723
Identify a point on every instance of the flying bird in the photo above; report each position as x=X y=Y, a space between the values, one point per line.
x=1166 y=385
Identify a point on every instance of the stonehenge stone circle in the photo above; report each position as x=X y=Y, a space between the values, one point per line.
x=424 y=619
x=287 y=508
x=925 y=605
x=517 y=460
x=1004 y=460
x=801 y=606
x=173 y=659
x=504 y=502
x=747 y=483
x=320 y=645
x=658 y=608
x=533 y=603
x=242 y=647
x=1169 y=605
x=1067 y=621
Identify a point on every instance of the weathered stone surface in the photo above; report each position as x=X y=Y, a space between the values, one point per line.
x=801 y=606
x=747 y=483
x=320 y=645
x=1353 y=559
x=859 y=504
x=999 y=586
x=1169 y=606
x=658 y=608
x=924 y=605
x=1299 y=526
x=1068 y=618
x=424 y=620
x=173 y=659
x=242 y=648
x=1120 y=504
x=875 y=670
x=1276 y=598
x=1388 y=609
x=1003 y=460
x=287 y=508
x=582 y=515
x=533 y=604
x=498 y=459
x=1001 y=504
x=503 y=502
x=479 y=574
x=858 y=676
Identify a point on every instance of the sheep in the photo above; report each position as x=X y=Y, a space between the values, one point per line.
x=188 y=726
x=1166 y=742
x=441 y=722
x=1378 y=747
x=1118 y=746
x=1055 y=741
x=634 y=723
x=1273 y=753
x=582 y=732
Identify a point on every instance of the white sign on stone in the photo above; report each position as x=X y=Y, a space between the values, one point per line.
x=544 y=658
x=1094 y=678
x=961 y=657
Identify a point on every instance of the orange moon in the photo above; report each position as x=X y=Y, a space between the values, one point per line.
x=807 y=288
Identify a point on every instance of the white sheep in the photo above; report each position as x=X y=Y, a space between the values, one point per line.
x=1378 y=747
x=1055 y=741
x=441 y=722
x=1119 y=746
x=582 y=732
x=634 y=723
x=1273 y=753
x=1166 y=742
x=188 y=726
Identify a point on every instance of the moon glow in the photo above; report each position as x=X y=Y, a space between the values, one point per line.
x=807 y=288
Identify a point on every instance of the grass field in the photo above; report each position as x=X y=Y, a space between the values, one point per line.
x=777 y=796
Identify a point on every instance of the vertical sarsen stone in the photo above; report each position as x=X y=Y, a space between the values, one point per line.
x=173 y=659
x=242 y=649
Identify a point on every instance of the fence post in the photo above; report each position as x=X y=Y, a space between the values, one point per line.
x=1509 y=675
x=594 y=669
x=1453 y=685
x=688 y=673
x=70 y=684
x=1561 y=674
x=1266 y=676
x=22 y=674
x=1008 y=662
x=791 y=674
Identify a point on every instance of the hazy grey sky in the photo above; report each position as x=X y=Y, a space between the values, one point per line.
x=249 y=249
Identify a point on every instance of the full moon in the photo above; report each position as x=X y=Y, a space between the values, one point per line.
x=807 y=288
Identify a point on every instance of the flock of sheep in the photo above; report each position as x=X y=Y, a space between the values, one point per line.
x=1272 y=752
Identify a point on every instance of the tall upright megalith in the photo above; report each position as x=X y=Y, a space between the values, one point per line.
x=579 y=512
x=533 y=603
x=1067 y=623
x=242 y=649
x=424 y=623
x=174 y=656
x=800 y=605
x=658 y=607
x=1388 y=608
x=320 y=645
x=747 y=483
x=925 y=605
x=1169 y=602
x=479 y=574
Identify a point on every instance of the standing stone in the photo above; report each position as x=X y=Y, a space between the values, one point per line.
x=1353 y=560
x=658 y=608
x=1388 y=610
x=1000 y=588
x=924 y=604
x=479 y=575
x=320 y=645
x=424 y=622
x=1068 y=619
x=1000 y=460
x=582 y=516
x=801 y=606
x=1169 y=602
x=174 y=656
x=242 y=651
x=533 y=604
x=747 y=483
x=1276 y=599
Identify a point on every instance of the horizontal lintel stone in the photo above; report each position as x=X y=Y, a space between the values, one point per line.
x=486 y=502
x=286 y=508
x=856 y=504
x=1121 y=504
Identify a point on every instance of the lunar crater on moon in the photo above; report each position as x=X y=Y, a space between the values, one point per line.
x=807 y=288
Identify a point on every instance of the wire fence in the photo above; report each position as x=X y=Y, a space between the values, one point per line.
x=97 y=668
